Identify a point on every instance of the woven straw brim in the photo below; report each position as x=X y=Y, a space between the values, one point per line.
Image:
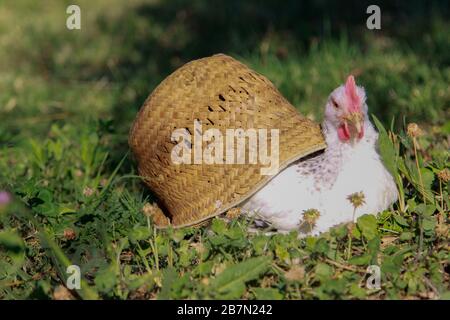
x=221 y=93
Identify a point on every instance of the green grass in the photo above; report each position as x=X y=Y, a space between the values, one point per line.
x=66 y=105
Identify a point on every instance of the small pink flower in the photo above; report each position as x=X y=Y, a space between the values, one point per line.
x=5 y=197
x=87 y=191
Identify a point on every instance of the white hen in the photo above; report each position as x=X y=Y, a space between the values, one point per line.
x=350 y=164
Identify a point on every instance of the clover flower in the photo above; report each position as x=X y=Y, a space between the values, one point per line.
x=5 y=198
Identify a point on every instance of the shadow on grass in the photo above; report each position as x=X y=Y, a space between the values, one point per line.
x=158 y=38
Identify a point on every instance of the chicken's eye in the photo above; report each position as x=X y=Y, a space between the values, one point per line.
x=334 y=103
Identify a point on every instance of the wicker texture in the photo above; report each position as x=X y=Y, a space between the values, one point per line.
x=225 y=94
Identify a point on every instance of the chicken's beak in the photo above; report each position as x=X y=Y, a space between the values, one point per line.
x=358 y=126
x=356 y=120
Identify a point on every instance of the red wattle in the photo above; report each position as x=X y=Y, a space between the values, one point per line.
x=361 y=133
x=344 y=132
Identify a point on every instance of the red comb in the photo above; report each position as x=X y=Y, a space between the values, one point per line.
x=352 y=95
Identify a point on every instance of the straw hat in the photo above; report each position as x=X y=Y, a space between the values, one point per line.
x=221 y=93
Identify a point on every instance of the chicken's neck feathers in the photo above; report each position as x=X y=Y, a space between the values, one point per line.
x=326 y=167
